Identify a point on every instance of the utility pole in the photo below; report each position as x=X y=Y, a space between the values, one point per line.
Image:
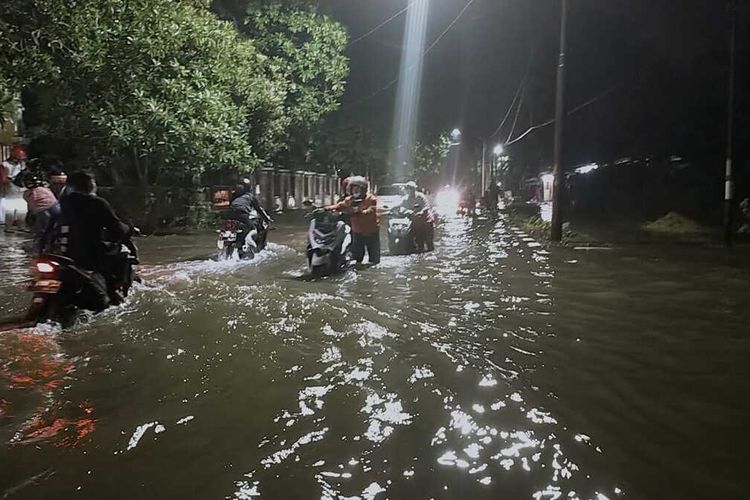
x=484 y=169
x=558 y=183
x=728 y=175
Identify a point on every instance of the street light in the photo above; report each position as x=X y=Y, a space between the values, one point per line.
x=455 y=141
x=497 y=153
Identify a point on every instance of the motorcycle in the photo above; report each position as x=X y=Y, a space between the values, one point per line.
x=234 y=235
x=466 y=208
x=328 y=242
x=411 y=231
x=61 y=289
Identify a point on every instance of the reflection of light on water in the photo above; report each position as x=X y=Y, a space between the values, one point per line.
x=281 y=455
x=140 y=431
x=33 y=372
x=384 y=376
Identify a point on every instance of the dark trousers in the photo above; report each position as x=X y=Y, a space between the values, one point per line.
x=371 y=242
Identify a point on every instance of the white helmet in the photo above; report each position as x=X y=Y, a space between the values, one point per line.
x=411 y=185
x=358 y=181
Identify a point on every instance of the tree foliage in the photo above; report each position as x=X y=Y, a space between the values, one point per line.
x=306 y=50
x=349 y=150
x=157 y=87
x=429 y=158
x=7 y=110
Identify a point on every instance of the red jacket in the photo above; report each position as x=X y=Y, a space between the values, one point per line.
x=364 y=218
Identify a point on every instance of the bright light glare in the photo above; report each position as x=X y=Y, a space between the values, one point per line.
x=17 y=205
x=447 y=200
x=409 y=87
x=45 y=267
x=456 y=134
x=499 y=149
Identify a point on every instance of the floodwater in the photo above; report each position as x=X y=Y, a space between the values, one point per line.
x=492 y=368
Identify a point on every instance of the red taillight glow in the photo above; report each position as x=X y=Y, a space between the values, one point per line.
x=45 y=267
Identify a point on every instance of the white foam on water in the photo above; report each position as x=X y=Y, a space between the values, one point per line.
x=186 y=271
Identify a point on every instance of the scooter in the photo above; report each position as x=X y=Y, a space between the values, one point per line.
x=411 y=231
x=328 y=242
x=61 y=289
x=234 y=236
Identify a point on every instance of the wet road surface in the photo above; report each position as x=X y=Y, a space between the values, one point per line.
x=492 y=368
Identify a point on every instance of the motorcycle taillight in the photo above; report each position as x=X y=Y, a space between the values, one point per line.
x=45 y=267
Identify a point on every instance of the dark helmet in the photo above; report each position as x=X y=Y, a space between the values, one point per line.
x=32 y=181
x=245 y=186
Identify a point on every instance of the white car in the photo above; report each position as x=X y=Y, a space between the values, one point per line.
x=390 y=196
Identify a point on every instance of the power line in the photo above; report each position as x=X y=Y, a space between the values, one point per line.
x=518 y=112
x=450 y=26
x=510 y=110
x=521 y=86
x=424 y=53
x=569 y=113
x=593 y=100
x=530 y=130
x=381 y=25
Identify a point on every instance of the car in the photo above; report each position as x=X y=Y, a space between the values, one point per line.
x=390 y=196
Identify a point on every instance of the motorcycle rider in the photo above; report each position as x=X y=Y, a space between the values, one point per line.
x=424 y=225
x=413 y=199
x=11 y=176
x=493 y=195
x=362 y=206
x=90 y=233
x=468 y=201
x=243 y=205
x=44 y=208
x=54 y=170
x=346 y=217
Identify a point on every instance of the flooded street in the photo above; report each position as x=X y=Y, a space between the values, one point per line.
x=492 y=368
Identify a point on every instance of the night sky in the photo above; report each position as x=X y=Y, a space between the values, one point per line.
x=659 y=69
